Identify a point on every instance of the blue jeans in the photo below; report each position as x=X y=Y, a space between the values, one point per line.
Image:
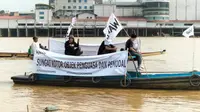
x=138 y=57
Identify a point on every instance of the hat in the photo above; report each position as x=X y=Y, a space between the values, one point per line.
x=71 y=36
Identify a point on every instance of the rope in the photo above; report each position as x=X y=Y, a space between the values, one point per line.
x=76 y=29
x=142 y=57
x=193 y=53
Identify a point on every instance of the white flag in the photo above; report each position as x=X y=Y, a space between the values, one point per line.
x=189 y=32
x=70 y=27
x=73 y=21
x=113 y=27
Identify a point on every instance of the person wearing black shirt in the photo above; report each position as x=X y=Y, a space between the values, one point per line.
x=72 y=48
x=133 y=49
x=106 y=47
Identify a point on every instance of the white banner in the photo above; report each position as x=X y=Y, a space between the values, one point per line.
x=113 y=27
x=189 y=32
x=88 y=49
x=113 y=64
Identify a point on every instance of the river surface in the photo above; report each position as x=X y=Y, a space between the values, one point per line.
x=182 y=55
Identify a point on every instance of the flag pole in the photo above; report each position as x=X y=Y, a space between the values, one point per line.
x=187 y=33
x=193 y=51
x=126 y=32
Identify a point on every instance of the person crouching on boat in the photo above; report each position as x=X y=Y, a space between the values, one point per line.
x=35 y=45
x=133 y=49
x=106 y=47
x=72 y=48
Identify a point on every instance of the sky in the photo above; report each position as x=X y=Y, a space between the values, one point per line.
x=20 y=5
x=27 y=5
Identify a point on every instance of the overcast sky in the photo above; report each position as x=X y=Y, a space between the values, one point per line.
x=20 y=5
x=26 y=5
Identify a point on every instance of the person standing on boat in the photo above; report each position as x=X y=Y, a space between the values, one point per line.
x=35 y=45
x=72 y=48
x=106 y=47
x=132 y=46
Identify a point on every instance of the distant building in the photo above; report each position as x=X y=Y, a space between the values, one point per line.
x=145 y=17
x=184 y=9
x=86 y=16
x=14 y=13
x=69 y=8
x=98 y=1
x=122 y=9
x=43 y=13
x=156 y=9
x=104 y=10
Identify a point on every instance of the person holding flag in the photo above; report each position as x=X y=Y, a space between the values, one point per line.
x=113 y=27
x=72 y=48
x=106 y=47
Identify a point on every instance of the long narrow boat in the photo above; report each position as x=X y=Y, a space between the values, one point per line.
x=145 y=54
x=14 y=54
x=26 y=55
x=182 y=80
x=109 y=70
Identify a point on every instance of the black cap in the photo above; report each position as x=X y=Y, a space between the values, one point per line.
x=35 y=37
x=133 y=35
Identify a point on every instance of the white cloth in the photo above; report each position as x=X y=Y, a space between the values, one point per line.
x=136 y=45
x=113 y=64
x=113 y=27
x=88 y=49
x=34 y=46
x=189 y=32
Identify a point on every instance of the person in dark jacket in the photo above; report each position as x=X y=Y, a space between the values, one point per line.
x=106 y=47
x=72 y=48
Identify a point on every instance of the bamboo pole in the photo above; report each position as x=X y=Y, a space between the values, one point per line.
x=27 y=108
x=125 y=80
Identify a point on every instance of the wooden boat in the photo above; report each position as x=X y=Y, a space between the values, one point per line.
x=46 y=73
x=144 y=54
x=178 y=80
x=26 y=55
x=14 y=54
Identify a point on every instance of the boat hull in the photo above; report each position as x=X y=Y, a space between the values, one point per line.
x=133 y=80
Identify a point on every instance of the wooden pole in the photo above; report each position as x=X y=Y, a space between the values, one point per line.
x=125 y=79
x=27 y=109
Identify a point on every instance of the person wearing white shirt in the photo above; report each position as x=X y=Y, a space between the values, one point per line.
x=35 y=45
x=136 y=45
x=132 y=46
